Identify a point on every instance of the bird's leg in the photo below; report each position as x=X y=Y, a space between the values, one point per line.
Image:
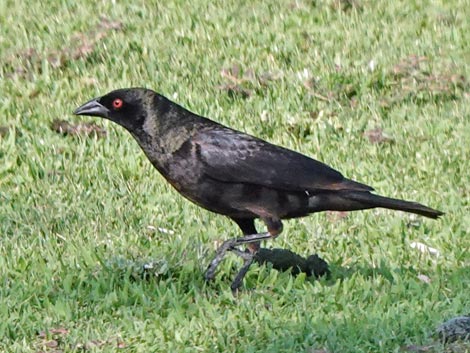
x=247 y=226
x=237 y=282
x=229 y=245
x=274 y=229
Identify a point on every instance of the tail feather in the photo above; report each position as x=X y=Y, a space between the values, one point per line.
x=373 y=200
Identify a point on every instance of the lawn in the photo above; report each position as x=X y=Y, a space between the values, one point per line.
x=379 y=90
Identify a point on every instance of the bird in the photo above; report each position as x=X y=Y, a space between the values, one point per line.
x=233 y=173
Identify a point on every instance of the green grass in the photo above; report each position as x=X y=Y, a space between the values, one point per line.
x=75 y=211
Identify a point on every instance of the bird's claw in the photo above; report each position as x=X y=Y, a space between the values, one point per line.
x=237 y=282
x=221 y=251
x=229 y=245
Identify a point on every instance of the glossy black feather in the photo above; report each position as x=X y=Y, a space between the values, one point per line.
x=234 y=157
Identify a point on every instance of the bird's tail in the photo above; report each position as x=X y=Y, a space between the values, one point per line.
x=372 y=200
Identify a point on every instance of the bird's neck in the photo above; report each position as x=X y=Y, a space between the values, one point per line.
x=166 y=127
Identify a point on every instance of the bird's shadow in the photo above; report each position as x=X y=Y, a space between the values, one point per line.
x=315 y=267
x=282 y=260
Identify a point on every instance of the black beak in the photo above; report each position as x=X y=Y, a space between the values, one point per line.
x=93 y=108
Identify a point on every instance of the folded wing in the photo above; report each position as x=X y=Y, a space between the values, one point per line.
x=233 y=157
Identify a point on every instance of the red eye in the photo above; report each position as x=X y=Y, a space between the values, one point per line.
x=117 y=103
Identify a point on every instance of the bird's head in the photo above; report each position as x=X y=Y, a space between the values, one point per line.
x=150 y=117
x=126 y=107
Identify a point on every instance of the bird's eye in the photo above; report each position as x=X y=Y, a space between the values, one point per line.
x=117 y=103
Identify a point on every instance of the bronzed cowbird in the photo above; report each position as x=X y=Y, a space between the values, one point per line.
x=234 y=174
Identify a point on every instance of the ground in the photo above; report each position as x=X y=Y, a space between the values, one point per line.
x=379 y=90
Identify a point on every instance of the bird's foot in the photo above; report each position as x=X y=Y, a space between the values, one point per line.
x=230 y=245
x=248 y=258
x=219 y=256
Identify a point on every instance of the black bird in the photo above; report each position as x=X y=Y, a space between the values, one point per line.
x=234 y=174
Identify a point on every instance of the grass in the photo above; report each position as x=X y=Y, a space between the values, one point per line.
x=79 y=214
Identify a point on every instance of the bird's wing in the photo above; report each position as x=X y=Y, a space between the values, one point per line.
x=231 y=156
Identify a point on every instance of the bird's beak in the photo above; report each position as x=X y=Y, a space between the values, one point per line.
x=93 y=108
